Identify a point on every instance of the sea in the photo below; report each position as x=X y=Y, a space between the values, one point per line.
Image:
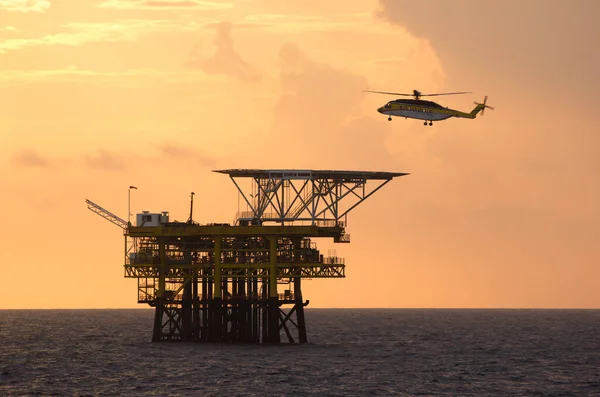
x=350 y=352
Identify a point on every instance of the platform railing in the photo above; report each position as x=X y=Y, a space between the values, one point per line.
x=274 y=217
x=147 y=297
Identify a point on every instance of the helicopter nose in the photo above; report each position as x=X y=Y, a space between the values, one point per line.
x=380 y=110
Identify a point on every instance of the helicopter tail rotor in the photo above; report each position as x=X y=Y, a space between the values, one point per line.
x=484 y=105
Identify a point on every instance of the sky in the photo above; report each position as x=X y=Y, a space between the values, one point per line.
x=497 y=212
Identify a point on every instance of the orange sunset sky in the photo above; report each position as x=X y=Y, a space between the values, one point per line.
x=501 y=211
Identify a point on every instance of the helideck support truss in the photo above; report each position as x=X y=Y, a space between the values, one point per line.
x=322 y=198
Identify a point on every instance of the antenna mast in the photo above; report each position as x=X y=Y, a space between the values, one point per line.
x=190 y=221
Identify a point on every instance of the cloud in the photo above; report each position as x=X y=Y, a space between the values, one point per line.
x=105 y=160
x=177 y=152
x=361 y=23
x=266 y=17
x=31 y=159
x=389 y=60
x=166 y=152
x=82 y=33
x=73 y=74
x=115 y=160
x=164 y=5
x=536 y=54
x=25 y=5
x=225 y=60
x=316 y=92
x=319 y=114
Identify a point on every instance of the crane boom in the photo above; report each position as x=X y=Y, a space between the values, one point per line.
x=106 y=214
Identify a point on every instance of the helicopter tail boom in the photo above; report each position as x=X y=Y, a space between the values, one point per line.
x=479 y=108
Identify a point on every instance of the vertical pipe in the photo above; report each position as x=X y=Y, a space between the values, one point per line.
x=272 y=267
x=216 y=312
x=255 y=309
x=157 y=332
x=247 y=294
x=209 y=284
x=226 y=305
x=218 y=292
x=209 y=303
x=186 y=312
x=126 y=252
x=234 y=309
x=204 y=321
x=300 y=311
x=196 y=308
x=243 y=308
x=264 y=313
x=273 y=321
x=300 y=320
x=162 y=266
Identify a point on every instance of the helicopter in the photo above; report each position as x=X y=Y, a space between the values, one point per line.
x=426 y=110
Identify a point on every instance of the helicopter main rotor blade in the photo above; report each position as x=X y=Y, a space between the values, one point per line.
x=446 y=93
x=388 y=93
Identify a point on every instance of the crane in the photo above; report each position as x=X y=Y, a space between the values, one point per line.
x=106 y=214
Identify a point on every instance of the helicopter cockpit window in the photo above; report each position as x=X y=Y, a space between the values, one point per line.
x=388 y=105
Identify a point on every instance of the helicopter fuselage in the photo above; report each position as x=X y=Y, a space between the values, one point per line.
x=416 y=109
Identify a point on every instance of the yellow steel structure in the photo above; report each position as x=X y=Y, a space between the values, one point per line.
x=233 y=265
x=221 y=282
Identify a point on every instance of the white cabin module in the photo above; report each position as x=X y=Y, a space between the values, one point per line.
x=146 y=218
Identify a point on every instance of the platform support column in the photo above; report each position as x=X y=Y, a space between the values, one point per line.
x=299 y=305
x=160 y=298
x=255 y=309
x=206 y=296
x=300 y=311
x=196 y=308
x=273 y=303
x=186 y=312
x=216 y=311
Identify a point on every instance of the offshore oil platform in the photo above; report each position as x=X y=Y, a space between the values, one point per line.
x=223 y=282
